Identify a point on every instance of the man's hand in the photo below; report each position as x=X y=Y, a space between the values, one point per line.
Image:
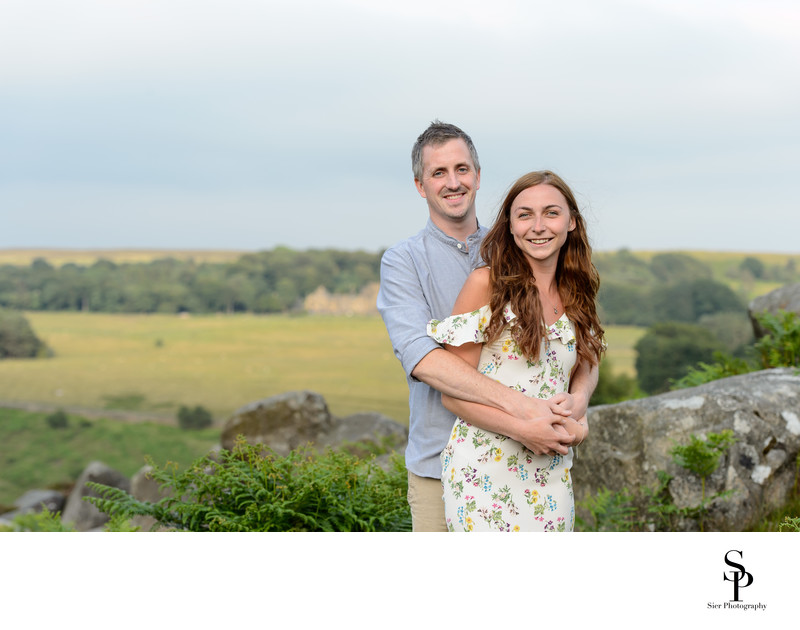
x=544 y=435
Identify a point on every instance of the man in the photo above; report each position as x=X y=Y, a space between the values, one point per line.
x=421 y=278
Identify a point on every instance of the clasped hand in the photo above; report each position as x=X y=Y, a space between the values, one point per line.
x=544 y=429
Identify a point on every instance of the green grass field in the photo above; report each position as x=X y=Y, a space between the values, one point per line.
x=155 y=363
x=34 y=455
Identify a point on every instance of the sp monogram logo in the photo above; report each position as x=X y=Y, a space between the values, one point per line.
x=738 y=575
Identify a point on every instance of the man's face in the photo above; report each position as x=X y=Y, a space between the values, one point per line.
x=449 y=181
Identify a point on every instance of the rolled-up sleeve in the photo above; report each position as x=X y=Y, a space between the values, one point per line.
x=405 y=310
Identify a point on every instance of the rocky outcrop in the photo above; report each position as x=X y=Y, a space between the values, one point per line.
x=80 y=513
x=284 y=423
x=630 y=442
x=34 y=501
x=786 y=298
x=294 y=419
x=145 y=488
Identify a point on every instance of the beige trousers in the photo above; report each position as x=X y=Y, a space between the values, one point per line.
x=427 y=505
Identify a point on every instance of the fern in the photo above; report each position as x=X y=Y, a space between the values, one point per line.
x=250 y=488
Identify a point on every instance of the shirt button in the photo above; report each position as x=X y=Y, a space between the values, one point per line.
x=460 y=246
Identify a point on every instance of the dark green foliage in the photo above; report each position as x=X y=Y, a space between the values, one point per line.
x=613 y=388
x=671 y=287
x=780 y=346
x=17 y=339
x=733 y=330
x=44 y=521
x=674 y=268
x=668 y=351
x=253 y=489
x=610 y=512
x=689 y=301
x=753 y=266
x=197 y=418
x=701 y=456
x=57 y=420
x=723 y=367
x=625 y=304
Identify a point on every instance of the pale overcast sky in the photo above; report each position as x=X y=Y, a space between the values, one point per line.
x=236 y=124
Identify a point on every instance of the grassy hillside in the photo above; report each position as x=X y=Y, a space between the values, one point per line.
x=34 y=455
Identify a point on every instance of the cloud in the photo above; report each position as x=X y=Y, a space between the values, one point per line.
x=230 y=110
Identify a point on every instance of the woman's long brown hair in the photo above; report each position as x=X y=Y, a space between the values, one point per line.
x=511 y=279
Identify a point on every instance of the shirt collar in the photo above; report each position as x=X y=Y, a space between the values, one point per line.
x=434 y=231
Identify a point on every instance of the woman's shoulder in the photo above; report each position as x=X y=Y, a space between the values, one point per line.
x=475 y=292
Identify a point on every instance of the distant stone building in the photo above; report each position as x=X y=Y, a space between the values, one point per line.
x=321 y=302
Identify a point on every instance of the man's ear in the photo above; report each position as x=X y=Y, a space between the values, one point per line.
x=420 y=189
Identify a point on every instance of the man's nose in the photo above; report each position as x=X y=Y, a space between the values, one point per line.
x=452 y=181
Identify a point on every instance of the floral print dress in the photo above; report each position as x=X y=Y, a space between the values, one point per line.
x=491 y=482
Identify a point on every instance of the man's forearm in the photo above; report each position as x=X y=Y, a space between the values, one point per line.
x=544 y=435
x=451 y=375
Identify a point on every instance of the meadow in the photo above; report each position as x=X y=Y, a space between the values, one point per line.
x=123 y=377
x=155 y=363
x=35 y=455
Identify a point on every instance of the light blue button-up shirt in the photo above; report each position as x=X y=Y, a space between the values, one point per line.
x=421 y=278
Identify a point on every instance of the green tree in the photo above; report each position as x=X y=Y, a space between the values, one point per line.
x=667 y=352
x=625 y=304
x=197 y=418
x=689 y=301
x=17 y=339
x=671 y=268
x=613 y=388
x=753 y=266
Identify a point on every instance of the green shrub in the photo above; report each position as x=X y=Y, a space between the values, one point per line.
x=17 y=339
x=723 y=367
x=251 y=488
x=44 y=521
x=57 y=420
x=668 y=351
x=780 y=346
x=609 y=512
x=197 y=418
x=613 y=388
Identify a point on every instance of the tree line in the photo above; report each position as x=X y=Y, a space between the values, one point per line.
x=669 y=287
x=691 y=316
x=273 y=281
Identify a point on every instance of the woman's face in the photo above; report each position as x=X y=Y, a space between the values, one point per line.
x=540 y=221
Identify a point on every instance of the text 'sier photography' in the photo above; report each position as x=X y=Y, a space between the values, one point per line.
x=743 y=592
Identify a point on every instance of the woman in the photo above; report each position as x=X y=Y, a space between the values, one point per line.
x=527 y=319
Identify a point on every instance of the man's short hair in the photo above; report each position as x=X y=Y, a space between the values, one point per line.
x=437 y=134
